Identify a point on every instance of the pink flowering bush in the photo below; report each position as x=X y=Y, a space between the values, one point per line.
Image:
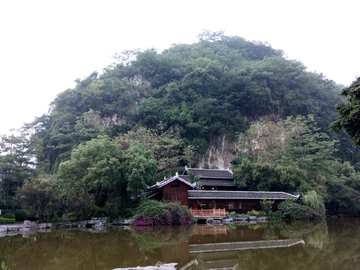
x=154 y=213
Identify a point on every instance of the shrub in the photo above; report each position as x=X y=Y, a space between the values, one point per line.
x=266 y=206
x=152 y=213
x=314 y=201
x=7 y=220
x=7 y=211
x=253 y=213
x=8 y=215
x=20 y=214
x=289 y=209
x=231 y=214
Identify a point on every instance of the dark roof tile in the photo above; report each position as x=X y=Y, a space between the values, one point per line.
x=210 y=173
x=217 y=183
x=240 y=195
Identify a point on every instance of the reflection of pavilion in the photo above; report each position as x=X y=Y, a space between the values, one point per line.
x=225 y=255
x=209 y=230
x=235 y=246
x=223 y=247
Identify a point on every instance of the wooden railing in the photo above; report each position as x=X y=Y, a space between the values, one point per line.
x=209 y=230
x=208 y=212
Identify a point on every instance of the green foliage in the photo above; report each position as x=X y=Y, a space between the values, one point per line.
x=8 y=215
x=152 y=213
x=20 y=214
x=349 y=113
x=40 y=197
x=231 y=214
x=166 y=147
x=3 y=266
x=177 y=103
x=294 y=156
x=80 y=204
x=205 y=89
x=314 y=201
x=266 y=206
x=260 y=175
x=289 y=209
x=103 y=174
x=193 y=177
x=253 y=213
x=17 y=153
x=7 y=220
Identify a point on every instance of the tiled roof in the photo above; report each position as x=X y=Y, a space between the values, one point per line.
x=211 y=181
x=169 y=180
x=210 y=173
x=240 y=195
x=217 y=183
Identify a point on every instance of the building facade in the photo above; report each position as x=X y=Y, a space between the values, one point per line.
x=215 y=189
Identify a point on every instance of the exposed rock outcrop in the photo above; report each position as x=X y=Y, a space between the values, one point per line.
x=221 y=153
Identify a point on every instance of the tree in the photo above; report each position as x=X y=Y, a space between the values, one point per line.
x=167 y=147
x=294 y=156
x=40 y=197
x=17 y=163
x=286 y=156
x=312 y=199
x=110 y=173
x=207 y=34
x=139 y=168
x=349 y=113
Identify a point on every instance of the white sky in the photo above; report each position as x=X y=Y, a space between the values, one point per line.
x=46 y=45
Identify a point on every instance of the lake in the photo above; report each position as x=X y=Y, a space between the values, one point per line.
x=332 y=244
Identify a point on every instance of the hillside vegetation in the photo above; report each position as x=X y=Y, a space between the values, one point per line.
x=151 y=112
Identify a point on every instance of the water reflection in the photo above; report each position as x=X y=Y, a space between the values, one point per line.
x=326 y=245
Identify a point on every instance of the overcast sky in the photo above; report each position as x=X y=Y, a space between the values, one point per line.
x=46 y=45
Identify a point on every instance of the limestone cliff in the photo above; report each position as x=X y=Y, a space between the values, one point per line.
x=223 y=150
x=221 y=153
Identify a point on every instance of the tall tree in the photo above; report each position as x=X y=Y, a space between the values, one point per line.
x=167 y=147
x=295 y=156
x=40 y=197
x=349 y=112
x=17 y=163
x=109 y=171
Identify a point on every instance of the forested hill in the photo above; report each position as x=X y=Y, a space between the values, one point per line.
x=151 y=113
x=201 y=91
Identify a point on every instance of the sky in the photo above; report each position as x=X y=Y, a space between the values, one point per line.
x=46 y=45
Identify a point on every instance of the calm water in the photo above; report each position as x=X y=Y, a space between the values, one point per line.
x=332 y=244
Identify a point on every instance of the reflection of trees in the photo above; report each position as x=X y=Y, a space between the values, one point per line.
x=71 y=250
x=294 y=229
x=328 y=245
x=318 y=236
x=148 y=237
x=83 y=250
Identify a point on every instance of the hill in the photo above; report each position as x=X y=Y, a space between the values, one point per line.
x=205 y=90
x=223 y=101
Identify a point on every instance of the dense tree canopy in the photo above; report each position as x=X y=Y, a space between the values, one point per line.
x=204 y=90
x=295 y=156
x=40 y=197
x=102 y=169
x=17 y=161
x=349 y=113
x=150 y=112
